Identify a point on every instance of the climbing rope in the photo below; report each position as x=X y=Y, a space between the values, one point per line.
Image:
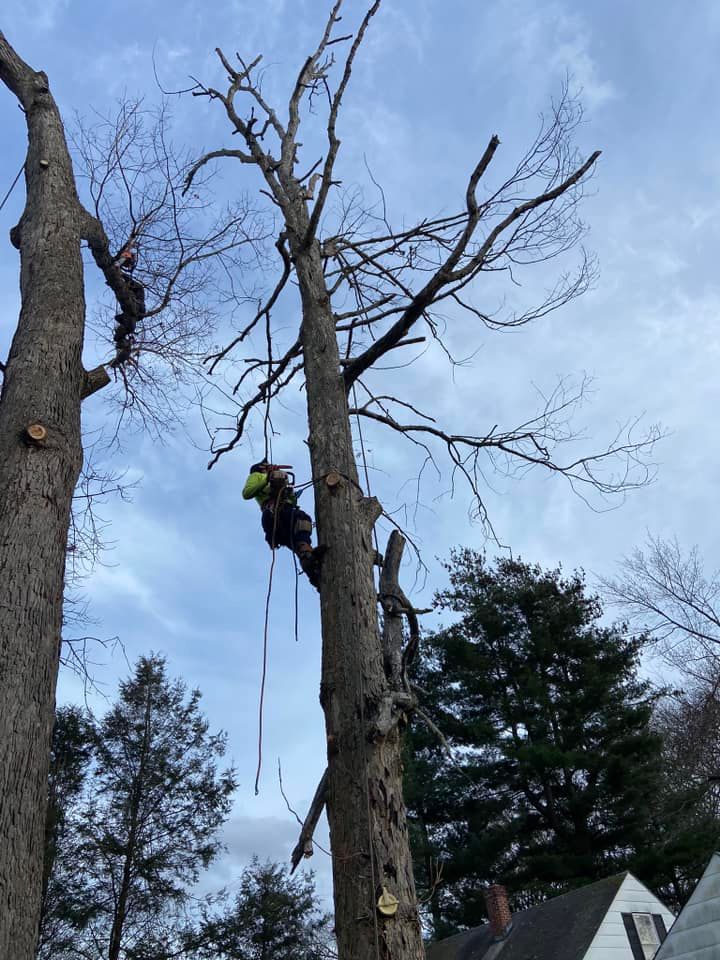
x=265 y=649
x=297 y=581
x=12 y=186
x=267 y=621
x=299 y=488
x=267 y=424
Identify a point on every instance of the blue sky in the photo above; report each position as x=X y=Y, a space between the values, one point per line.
x=188 y=571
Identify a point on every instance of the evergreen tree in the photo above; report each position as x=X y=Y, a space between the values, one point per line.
x=71 y=752
x=146 y=823
x=274 y=917
x=557 y=768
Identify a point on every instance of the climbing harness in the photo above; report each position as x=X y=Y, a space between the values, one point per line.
x=282 y=494
x=290 y=527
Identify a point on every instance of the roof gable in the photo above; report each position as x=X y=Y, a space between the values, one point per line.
x=611 y=941
x=559 y=929
x=695 y=934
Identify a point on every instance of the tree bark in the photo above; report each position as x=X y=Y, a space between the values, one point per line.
x=42 y=384
x=121 y=907
x=366 y=813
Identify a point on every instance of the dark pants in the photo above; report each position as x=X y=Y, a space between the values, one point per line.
x=281 y=527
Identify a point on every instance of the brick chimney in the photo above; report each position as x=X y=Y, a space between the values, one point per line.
x=498 y=911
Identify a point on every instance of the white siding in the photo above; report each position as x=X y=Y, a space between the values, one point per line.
x=611 y=940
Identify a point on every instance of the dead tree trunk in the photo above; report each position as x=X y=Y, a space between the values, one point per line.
x=43 y=383
x=364 y=796
x=384 y=284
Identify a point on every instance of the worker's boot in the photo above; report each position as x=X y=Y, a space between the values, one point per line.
x=310 y=562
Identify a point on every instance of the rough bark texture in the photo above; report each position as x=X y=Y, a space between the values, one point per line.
x=43 y=383
x=366 y=813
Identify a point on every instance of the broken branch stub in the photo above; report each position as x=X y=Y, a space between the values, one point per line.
x=304 y=846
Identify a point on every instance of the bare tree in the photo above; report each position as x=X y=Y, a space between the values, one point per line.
x=365 y=287
x=689 y=722
x=43 y=386
x=689 y=795
x=87 y=545
x=666 y=592
x=134 y=175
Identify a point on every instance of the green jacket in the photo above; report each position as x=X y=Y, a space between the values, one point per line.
x=257 y=486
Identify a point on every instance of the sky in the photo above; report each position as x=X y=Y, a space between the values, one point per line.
x=188 y=570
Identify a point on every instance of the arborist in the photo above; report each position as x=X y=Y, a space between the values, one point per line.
x=125 y=323
x=126 y=260
x=283 y=523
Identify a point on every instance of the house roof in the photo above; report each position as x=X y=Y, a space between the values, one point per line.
x=695 y=935
x=558 y=929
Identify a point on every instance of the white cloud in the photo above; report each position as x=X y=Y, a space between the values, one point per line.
x=540 y=44
x=40 y=15
x=571 y=54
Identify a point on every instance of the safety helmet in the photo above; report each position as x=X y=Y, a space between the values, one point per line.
x=259 y=466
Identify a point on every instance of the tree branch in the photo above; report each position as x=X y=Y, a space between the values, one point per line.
x=264 y=310
x=18 y=76
x=449 y=272
x=130 y=293
x=532 y=444
x=334 y=143
x=214 y=155
x=95 y=380
x=304 y=846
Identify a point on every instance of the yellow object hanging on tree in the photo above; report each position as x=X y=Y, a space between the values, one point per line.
x=387 y=904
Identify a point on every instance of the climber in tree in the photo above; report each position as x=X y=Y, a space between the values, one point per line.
x=126 y=322
x=284 y=524
x=126 y=260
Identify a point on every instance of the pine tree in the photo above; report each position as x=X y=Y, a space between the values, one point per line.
x=274 y=917
x=556 y=764
x=146 y=823
x=61 y=907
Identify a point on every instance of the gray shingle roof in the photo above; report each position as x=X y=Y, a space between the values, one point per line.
x=695 y=935
x=558 y=929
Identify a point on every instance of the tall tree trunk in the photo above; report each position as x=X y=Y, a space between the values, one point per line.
x=42 y=385
x=368 y=831
x=121 y=908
